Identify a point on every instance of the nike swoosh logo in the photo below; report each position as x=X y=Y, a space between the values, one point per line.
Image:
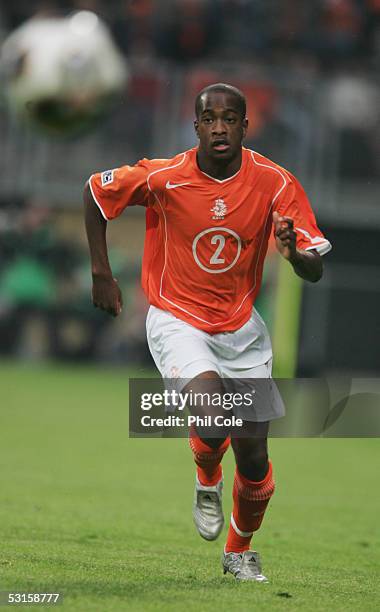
x=170 y=185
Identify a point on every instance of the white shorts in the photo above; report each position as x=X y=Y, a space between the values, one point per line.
x=181 y=352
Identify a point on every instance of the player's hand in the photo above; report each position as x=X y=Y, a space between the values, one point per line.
x=106 y=294
x=285 y=236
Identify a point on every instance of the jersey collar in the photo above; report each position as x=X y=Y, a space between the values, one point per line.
x=212 y=178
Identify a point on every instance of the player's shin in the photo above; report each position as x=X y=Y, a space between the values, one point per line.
x=250 y=503
x=208 y=459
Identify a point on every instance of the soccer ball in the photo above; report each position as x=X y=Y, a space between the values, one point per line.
x=62 y=73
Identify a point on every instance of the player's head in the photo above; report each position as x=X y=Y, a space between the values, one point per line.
x=221 y=122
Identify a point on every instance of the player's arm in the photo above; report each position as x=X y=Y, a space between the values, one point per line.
x=307 y=264
x=106 y=293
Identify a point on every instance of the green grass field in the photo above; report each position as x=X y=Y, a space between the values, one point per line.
x=106 y=519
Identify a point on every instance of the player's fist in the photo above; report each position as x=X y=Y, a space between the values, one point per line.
x=286 y=237
x=106 y=294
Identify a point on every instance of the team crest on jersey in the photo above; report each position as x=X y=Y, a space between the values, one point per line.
x=107 y=177
x=219 y=209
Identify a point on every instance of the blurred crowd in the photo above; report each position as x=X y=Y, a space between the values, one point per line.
x=327 y=50
x=327 y=32
x=310 y=74
x=45 y=294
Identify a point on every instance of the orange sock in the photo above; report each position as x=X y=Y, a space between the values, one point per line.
x=208 y=460
x=250 y=502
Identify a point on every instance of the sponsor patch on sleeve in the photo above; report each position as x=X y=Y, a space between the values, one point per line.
x=107 y=177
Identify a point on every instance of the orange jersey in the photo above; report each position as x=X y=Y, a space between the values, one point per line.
x=206 y=239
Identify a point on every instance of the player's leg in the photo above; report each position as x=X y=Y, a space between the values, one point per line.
x=185 y=360
x=253 y=487
x=208 y=444
x=247 y=368
x=202 y=388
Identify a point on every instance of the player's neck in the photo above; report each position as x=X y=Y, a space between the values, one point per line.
x=220 y=169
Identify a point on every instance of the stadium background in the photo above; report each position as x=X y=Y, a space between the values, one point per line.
x=310 y=73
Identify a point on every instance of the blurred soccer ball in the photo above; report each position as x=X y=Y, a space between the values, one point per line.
x=62 y=73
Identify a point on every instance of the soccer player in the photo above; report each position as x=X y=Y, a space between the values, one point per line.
x=209 y=214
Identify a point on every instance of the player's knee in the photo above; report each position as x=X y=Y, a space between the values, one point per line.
x=257 y=459
x=252 y=459
x=215 y=443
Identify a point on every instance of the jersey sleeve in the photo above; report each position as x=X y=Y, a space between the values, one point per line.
x=294 y=203
x=114 y=190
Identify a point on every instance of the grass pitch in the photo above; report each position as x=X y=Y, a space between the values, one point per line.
x=106 y=520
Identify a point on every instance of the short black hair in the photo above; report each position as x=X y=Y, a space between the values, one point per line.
x=223 y=88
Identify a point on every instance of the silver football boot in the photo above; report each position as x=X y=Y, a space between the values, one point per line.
x=207 y=509
x=244 y=566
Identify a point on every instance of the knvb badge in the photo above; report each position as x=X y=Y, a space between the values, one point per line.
x=219 y=209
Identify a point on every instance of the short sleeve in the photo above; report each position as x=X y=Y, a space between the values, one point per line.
x=114 y=190
x=294 y=203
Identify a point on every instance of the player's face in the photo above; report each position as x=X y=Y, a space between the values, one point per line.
x=220 y=126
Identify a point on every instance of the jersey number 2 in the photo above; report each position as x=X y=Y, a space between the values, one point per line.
x=215 y=259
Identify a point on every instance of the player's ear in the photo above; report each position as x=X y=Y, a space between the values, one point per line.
x=196 y=127
x=245 y=127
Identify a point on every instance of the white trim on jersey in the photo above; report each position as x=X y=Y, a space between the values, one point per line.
x=318 y=243
x=223 y=180
x=322 y=248
x=95 y=200
x=266 y=221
